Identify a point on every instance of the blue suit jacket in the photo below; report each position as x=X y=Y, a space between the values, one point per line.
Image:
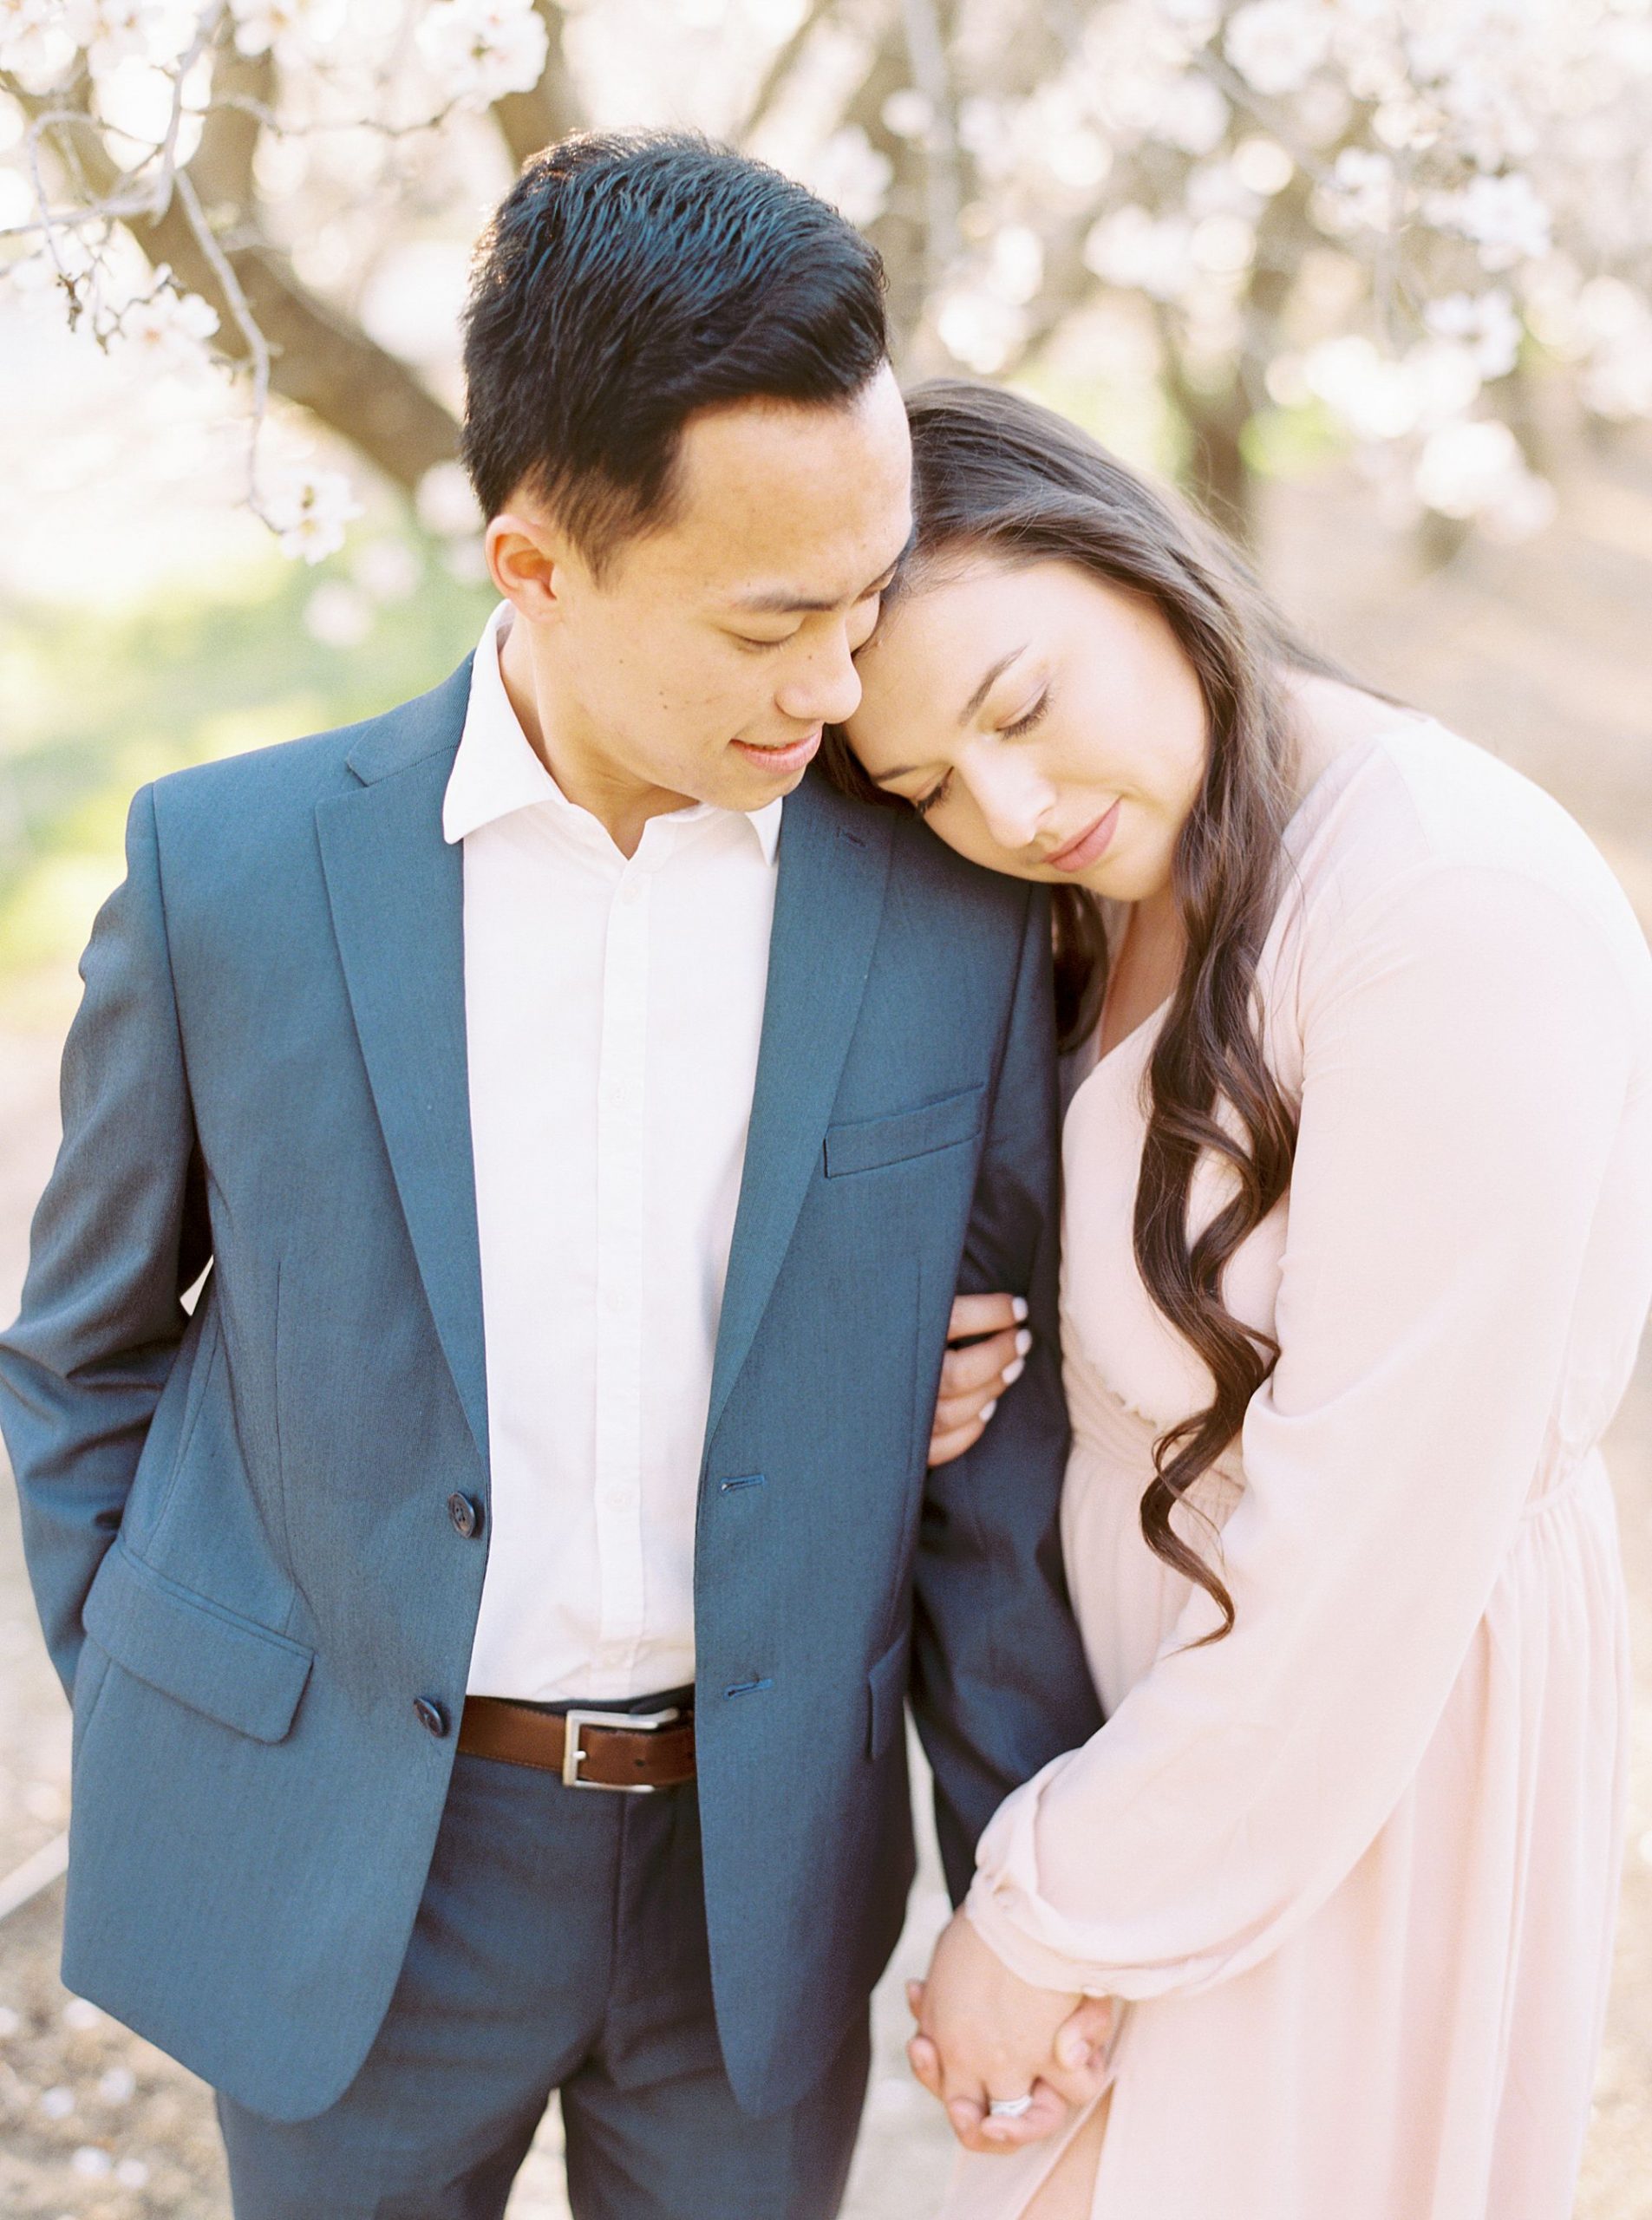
x=236 y=1518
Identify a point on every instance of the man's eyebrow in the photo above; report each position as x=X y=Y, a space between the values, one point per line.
x=905 y=770
x=780 y=602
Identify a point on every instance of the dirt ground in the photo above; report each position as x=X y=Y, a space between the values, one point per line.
x=1540 y=653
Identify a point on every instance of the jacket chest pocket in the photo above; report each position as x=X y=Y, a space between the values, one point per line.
x=871 y=1144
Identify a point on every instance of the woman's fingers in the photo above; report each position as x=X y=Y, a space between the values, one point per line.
x=926 y=2062
x=943 y=1448
x=973 y=1376
x=1082 y=2038
x=1048 y=2112
x=985 y=1313
x=978 y=2128
x=982 y=1363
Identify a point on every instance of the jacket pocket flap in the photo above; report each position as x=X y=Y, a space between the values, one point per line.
x=869 y=1142
x=887 y=1691
x=241 y=1674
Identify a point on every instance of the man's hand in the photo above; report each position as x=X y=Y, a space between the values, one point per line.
x=986 y=1352
x=985 y=2034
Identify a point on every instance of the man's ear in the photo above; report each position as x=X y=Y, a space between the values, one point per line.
x=528 y=562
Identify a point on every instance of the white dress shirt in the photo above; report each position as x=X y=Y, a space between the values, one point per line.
x=612 y=1013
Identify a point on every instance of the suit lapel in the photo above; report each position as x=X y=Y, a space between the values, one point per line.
x=828 y=903
x=396 y=890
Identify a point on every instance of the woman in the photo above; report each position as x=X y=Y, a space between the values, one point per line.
x=1358 y=1246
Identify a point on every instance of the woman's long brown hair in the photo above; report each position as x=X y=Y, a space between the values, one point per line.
x=997 y=478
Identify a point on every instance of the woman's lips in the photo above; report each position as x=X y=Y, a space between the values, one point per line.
x=1079 y=854
x=782 y=761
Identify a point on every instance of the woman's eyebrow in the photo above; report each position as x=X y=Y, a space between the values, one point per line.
x=905 y=770
x=988 y=682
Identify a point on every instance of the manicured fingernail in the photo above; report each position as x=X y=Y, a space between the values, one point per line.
x=1013 y=1372
x=987 y=1410
x=1019 y=1306
x=1023 y=1342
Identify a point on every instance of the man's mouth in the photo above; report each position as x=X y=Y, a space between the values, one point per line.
x=792 y=756
x=1079 y=854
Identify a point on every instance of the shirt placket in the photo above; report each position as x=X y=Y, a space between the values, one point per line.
x=620 y=1188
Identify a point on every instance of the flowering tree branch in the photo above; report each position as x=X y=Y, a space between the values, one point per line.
x=1360 y=219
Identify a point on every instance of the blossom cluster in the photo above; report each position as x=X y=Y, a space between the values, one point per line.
x=1367 y=208
x=1368 y=214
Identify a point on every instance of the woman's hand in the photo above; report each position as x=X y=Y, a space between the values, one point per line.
x=983 y=2033
x=973 y=1376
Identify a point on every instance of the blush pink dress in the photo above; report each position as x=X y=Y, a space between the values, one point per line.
x=1354 y=1869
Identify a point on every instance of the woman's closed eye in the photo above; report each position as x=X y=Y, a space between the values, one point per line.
x=1034 y=716
x=924 y=803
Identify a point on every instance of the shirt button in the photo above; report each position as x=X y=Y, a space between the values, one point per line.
x=430 y=1714
x=630 y=889
x=466 y=1513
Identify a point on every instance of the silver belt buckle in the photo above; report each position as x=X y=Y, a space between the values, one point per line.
x=637 y=1722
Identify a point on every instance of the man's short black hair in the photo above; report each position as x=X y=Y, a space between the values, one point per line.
x=630 y=279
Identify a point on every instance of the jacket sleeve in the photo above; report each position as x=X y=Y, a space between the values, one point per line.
x=120 y=1235
x=999 y=1681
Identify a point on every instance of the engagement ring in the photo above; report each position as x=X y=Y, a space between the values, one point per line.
x=1010 y=2107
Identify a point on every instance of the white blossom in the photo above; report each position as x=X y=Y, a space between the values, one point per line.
x=1475 y=469
x=41 y=282
x=908 y=113
x=1505 y=216
x=1368 y=390
x=849 y=173
x=1137 y=250
x=445 y=502
x=980 y=328
x=1017 y=263
x=291 y=29
x=1616 y=379
x=36 y=45
x=1363 y=191
x=478 y=49
x=115 y=31
x=387 y=570
x=1487 y=324
x=338 y=615
x=1278 y=44
x=1194 y=116
x=167 y=327
x=1262 y=166
x=308 y=511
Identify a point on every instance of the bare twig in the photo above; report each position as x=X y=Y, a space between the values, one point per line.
x=549 y=110
x=926 y=51
x=781 y=64
x=258 y=347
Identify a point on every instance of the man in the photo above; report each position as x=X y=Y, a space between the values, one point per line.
x=585 y=1125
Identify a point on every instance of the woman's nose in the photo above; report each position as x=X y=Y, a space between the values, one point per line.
x=1012 y=798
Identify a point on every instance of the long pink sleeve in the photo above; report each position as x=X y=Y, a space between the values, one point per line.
x=1469 y=1038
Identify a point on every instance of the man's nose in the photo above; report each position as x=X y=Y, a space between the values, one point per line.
x=826 y=688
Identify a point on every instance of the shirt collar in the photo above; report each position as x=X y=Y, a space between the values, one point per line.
x=496 y=772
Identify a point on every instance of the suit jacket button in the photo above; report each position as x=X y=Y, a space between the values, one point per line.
x=466 y=1513
x=430 y=1714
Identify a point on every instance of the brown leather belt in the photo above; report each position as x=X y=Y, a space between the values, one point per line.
x=638 y=1751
